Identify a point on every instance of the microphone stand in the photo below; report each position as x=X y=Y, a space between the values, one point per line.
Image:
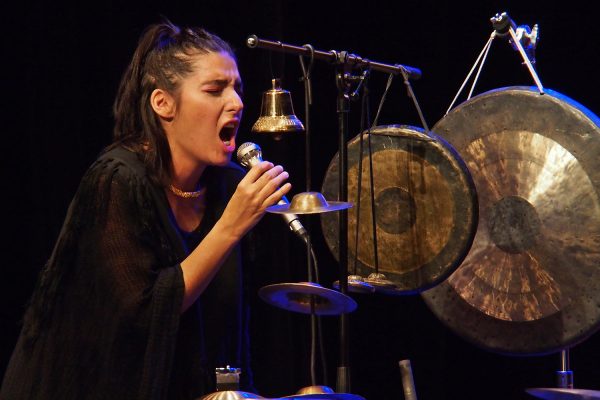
x=343 y=109
x=344 y=63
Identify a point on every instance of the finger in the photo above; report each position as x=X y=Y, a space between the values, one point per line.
x=257 y=171
x=268 y=176
x=273 y=183
x=277 y=195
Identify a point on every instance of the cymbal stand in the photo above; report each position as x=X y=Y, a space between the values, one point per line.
x=564 y=377
x=344 y=63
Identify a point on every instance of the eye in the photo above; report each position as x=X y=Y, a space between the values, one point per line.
x=214 y=91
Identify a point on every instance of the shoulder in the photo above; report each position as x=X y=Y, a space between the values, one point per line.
x=121 y=161
x=116 y=173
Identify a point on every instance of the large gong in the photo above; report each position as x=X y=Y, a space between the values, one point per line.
x=530 y=283
x=425 y=208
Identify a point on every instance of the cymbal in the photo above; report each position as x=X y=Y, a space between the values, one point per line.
x=323 y=393
x=530 y=283
x=564 y=394
x=425 y=208
x=309 y=203
x=230 y=395
x=315 y=389
x=326 y=396
x=302 y=297
x=356 y=284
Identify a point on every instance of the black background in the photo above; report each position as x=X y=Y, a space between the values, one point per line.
x=64 y=62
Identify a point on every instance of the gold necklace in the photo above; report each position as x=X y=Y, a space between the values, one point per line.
x=186 y=195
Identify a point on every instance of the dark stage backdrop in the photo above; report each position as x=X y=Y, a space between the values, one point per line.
x=64 y=65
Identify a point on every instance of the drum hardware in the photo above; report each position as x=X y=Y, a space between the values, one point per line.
x=505 y=27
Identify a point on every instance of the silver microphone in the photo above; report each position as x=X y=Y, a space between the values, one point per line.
x=249 y=154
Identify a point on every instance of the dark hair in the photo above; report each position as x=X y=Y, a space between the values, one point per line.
x=162 y=58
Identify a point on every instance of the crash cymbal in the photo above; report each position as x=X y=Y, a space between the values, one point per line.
x=230 y=395
x=530 y=283
x=564 y=394
x=298 y=297
x=309 y=203
x=425 y=208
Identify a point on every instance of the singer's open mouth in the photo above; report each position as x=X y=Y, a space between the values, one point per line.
x=227 y=133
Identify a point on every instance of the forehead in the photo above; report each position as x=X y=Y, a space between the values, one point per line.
x=215 y=66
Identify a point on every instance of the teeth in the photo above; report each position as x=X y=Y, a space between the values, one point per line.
x=227 y=142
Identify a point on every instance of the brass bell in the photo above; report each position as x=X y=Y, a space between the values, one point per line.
x=277 y=113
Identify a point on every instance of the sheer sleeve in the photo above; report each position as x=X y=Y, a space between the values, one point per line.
x=105 y=313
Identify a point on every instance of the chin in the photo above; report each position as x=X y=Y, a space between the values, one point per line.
x=223 y=162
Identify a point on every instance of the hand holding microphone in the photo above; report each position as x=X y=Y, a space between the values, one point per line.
x=250 y=154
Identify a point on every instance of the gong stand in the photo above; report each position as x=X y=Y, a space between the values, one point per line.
x=518 y=37
x=345 y=63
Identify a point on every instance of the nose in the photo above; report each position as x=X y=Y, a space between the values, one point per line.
x=235 y=102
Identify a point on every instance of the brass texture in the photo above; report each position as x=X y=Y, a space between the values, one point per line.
x=307 y=298
x=230 y=395
x=564 y=394
x=425 y=209
x=530 y=283
x=277 y=112
x=309 y=203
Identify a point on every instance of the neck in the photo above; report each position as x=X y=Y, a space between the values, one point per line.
x=186 y=177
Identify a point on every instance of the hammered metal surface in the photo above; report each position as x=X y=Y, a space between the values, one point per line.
x=425 y=208
x=530 y=283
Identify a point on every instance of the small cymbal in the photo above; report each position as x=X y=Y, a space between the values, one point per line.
x=326 y=396
x=230 y=395
x=379 y=280
x=309 y=203
x=315 y=389
x=564 y=394
x=298 y=297
x=356 y=284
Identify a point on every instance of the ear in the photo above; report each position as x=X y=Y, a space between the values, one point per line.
x=163 y=103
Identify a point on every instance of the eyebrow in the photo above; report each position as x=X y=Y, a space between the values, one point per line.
x=223 y=82
x=238 y=85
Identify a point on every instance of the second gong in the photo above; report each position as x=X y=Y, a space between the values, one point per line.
x=425 y=208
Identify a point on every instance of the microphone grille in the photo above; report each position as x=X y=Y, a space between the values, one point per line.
x=246 y=152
